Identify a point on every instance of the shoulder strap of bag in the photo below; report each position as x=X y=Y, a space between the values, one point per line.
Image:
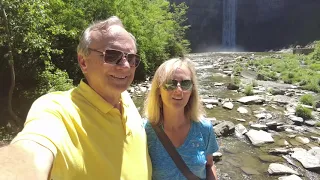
x=174 y=154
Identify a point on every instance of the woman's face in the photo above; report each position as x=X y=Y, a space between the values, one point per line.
x=175 y=94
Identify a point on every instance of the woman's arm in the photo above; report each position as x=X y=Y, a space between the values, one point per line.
x=211 y=169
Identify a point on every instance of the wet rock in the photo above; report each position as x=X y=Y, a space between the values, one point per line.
x=280 y=151
x=278 y=169
x=259 y=137
x=282 y=142
x=241 y=120
x=290 y=160
x=233 y=162
x=249 y=171
x=232 y=86
x=209 y=106
x=291 y=177
x=297 y=120
x=302 y=140
x=210 y=101
x=270 y=158
x=218 y=84
x=294 y=142
x=228 y=73
x=309 y=159
x=290 y=109
x=251 y=100
x=240 y=130
x=143 y=89
x=259 y=126
x=228 y=105
x=280 y=128
x=277 y=91
x=225 y=128
x=317 y=139
x=263 y=116
x=217 y=156
x=310 y=122
x=242 y=110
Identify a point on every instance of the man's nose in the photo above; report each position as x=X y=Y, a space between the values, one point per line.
x=124 y=61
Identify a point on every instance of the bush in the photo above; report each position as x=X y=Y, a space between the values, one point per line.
x=254 y=83
x=248 y=90
x=303 y=112
x=307 y=99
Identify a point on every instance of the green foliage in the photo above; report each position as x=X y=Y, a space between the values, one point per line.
x=307 y=99
x=45 y=34
x=236 y=80
x=254 y=83
x=303 y=112
x=237 y=69
x=248 y=90
x=289 y=69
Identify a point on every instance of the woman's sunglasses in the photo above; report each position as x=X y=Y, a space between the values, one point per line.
x=112 y=56
x=173 y=84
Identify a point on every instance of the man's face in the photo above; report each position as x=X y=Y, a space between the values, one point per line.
x=109 y=79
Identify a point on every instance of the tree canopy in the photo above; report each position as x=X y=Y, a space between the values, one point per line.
x=43 y=36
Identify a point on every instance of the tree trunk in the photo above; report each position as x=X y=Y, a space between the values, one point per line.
x=17 y=121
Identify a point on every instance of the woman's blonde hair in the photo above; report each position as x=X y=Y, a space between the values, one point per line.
x=153 y=103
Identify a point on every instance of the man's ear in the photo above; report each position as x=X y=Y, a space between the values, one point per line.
x=82 y=63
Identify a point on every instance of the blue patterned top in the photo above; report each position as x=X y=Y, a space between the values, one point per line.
x=200 y=142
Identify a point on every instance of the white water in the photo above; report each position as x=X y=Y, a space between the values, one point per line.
x=229 y=23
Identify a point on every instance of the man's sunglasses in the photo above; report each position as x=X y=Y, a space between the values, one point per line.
x=173 y=84
x=112 y=56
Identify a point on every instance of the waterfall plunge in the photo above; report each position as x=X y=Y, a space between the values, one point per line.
x=229 y=23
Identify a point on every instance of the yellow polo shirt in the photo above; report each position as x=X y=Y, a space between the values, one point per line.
x=88 y=137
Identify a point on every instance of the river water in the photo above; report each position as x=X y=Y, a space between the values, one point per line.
x=238 y=153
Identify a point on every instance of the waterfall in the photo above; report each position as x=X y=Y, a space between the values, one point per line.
x=229 y=23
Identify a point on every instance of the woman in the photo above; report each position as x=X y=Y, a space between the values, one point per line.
x=173 y=103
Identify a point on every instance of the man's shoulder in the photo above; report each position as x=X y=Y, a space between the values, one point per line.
x=53 y=98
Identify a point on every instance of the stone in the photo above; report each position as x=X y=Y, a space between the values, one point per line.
x=218 y=84
x=232 y=86
x=281 y=99
x=251 y=100
x=209 y=106
x=241 y=120
x=259 y=137
x=240 y=130
x=228 y=105
x=308 y=159
x=282 y=142
x=280 y=151
x=296 y=119
x=310 y=122
x=210 y=101
x=278 y=169
x=302 y=140
x=225 y=128
x=270 y=158
x=217 y=156
x=242 y=110
x=259 y=126
x=249 y=171
x=291 y=177
x=263 y=116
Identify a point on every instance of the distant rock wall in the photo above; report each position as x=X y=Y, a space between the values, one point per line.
x=261 y=24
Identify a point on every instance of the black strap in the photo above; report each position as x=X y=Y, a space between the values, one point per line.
x=174 y=154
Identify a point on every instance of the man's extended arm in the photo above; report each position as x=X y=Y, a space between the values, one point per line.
x=25 y=159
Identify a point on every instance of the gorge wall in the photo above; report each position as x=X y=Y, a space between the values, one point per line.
x=261 y=25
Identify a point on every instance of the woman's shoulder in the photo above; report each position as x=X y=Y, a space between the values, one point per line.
x=204 y=123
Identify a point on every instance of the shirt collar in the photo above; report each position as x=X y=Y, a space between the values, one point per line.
x=96 y=100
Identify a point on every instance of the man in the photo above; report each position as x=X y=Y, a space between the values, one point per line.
x=93 y=131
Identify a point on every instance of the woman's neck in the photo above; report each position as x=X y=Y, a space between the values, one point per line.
x=174 y=119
